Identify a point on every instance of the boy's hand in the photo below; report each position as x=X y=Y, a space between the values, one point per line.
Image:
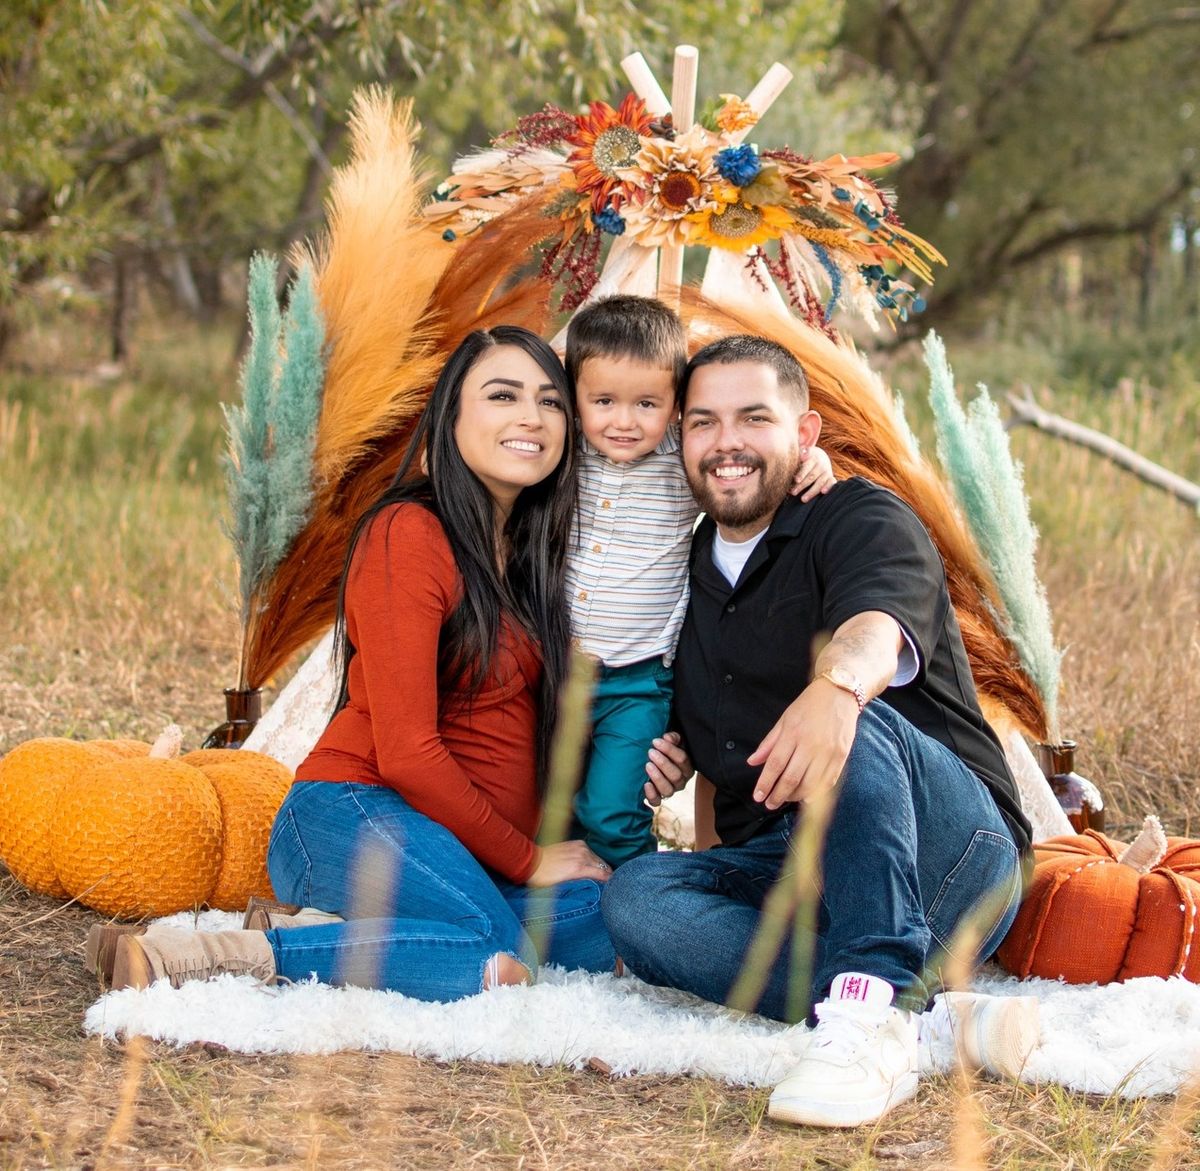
x=669 y=768
x=815 y=473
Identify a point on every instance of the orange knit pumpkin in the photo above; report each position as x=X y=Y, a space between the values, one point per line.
x=1090 y=916
x=131 y=831
x=138 y=837
x=250 y=788
x=31 y=777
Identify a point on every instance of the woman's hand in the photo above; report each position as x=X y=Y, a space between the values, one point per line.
x=566 y=861
x=669 y=768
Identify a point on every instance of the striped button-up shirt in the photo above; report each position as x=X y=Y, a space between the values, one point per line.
x=627 y=572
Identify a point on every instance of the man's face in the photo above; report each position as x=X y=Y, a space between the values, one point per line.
x=741 y=444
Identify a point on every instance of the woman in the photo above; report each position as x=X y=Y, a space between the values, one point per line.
x=414 y=816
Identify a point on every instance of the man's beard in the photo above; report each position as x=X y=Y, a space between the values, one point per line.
x=774 y=480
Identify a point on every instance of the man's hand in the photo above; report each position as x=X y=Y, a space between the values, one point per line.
x=815 y=473
x=804 y=754
x=669 y=768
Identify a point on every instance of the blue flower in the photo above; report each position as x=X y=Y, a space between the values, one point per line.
x=609 y=220
x=738 y=165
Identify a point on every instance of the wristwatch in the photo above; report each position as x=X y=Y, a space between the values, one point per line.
x=847 y=681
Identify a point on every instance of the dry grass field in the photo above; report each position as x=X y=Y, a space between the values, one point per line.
x=118 y=618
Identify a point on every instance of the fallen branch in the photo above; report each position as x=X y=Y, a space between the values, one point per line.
x=1025 y=410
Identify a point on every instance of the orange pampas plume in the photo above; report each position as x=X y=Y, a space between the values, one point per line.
x=376 y=268
x=364 y=445
x=863 y=437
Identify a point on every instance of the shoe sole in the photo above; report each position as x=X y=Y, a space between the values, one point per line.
x=100 y=951
x=131 y=967
x=812 y=1112
x=1007 y=1052
x=259 y=912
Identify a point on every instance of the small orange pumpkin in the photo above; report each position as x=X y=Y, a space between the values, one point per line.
x=1097 y=911
x=31 y=777
x=137 y=837
x=250 y=787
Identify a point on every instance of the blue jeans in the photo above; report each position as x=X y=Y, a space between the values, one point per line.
x=631 y=706
x=423 y=916
x=914 y=845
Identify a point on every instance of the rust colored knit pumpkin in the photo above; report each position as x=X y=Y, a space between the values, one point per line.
x=1098 y=911
x=31 y=777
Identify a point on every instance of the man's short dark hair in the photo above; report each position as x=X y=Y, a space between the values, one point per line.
x=625 y=326
x=746 y=347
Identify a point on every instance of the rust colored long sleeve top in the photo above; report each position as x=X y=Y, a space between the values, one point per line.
x=473 y=767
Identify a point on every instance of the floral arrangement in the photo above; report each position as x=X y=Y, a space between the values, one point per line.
x=814 y=225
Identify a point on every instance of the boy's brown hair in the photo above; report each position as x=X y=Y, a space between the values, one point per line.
x=624 y=326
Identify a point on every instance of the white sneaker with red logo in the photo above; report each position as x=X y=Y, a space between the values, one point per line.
x=860 y=1060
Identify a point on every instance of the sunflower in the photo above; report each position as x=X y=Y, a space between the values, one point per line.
x=676 y=180
x=606 y=141
x=738 y=226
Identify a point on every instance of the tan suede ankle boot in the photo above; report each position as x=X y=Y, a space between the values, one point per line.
x=179 y=956
x=266 y=914
x=100 y=951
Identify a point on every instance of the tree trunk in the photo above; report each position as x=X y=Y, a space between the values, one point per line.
x=1191 y=293
x=176 y=266
x=119 y=321
x=1147 y=255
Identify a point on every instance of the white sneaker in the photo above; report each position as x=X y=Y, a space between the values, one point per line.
x=995 y=1034
x=860 y=1060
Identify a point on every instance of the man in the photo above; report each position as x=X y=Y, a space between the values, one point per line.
x=821 y=661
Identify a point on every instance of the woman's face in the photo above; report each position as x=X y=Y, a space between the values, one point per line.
x=512 y=422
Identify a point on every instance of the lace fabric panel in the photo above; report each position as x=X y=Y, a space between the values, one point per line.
x=291 y=725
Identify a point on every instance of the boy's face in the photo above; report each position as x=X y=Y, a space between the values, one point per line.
x=625 y=405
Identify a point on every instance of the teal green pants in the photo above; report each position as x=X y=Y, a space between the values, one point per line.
x=630 y=707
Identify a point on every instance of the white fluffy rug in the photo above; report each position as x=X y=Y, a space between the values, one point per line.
x=1134 y=1039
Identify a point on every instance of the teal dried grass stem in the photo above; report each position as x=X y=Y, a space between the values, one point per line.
x=272 y=433
x=974 y=450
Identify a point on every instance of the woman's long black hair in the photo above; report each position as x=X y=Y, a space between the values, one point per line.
x=530 y=590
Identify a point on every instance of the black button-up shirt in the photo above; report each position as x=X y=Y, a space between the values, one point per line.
x=746 y=651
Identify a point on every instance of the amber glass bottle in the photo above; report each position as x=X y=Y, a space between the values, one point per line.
x=1080 y=799
x=243 y=709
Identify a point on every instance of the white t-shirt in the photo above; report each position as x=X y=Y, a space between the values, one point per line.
x=730 y=558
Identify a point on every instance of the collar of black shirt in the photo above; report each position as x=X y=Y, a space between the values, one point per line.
x=790 y=518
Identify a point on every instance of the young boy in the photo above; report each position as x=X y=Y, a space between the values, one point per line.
x=627 y=571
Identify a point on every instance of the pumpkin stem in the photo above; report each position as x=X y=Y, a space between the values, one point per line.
x=1148 y=847
x=169 y=741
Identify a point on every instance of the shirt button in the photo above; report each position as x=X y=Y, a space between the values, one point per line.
x=595 y=548
x=730 y=744
x=730 y=608
x=606 y=504
x=583 y=595
x=728 y=678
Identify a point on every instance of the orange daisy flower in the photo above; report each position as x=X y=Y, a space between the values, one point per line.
x=606 y=141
